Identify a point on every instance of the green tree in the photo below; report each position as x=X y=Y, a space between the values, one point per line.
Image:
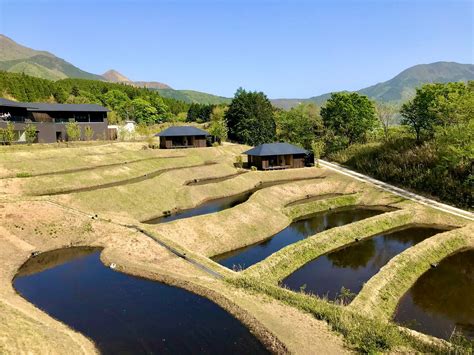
x=30 y=133
x=317 y=146
x=114 y=99
x=60 y=95
x=386 y=113
x=250 y=118
x=300 y=125
x=218 y=127
x=75 y=91
x=142 y=111
x=435 y=105
x=73 y=131
x=349 y=115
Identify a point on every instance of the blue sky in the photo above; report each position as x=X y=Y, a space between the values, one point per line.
x=284 y=48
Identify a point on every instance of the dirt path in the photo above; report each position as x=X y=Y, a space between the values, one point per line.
x=399 y=192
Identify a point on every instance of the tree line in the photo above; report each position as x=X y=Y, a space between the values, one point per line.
x=432 y=151
x=126 y=102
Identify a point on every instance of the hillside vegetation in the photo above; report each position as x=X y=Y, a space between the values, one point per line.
x=192 y=96
x=125 y=101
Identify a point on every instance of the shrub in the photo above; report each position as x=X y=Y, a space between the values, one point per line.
x=253 y=168
x=30 y=133
x=8 y=134
x=23 y=175
x=88 y=133
x=73 y=131
x=239 y=163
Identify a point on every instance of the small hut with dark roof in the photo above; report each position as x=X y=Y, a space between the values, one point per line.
x=271 y=156
x=182 y=137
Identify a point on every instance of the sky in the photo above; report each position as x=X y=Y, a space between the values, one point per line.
x=290 y=49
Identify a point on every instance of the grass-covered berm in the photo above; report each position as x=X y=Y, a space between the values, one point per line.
x=99 y=195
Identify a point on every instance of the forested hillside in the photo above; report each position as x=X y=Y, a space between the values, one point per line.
x=125 y=101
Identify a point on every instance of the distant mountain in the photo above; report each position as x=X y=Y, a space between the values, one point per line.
x=401 y=87
x=20 y=59
x=116 y=77
x=192 y=96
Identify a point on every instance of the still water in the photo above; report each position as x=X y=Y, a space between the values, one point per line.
x=442 y=299
x=351 y=266
x=126 y=314
x=245 y=257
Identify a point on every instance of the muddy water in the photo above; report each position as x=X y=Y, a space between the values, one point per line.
x=220 y=204
x=442 y=299
x=350 y=267
x=245 y=257
x=125 y=314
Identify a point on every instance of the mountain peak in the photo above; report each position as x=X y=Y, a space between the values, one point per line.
x=115 y=77
x=10 y=50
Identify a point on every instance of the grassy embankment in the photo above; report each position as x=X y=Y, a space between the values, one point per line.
x=363 y=323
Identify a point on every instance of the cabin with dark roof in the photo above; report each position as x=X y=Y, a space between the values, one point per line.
x=272 y=156
x=183 y=137
x=50 y=119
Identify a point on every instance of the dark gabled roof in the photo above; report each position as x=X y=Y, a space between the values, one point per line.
x=10 y=103
x=182 y=131
x=42 y=107
x=275 y=149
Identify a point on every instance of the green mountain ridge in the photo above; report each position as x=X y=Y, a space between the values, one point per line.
x=46 y=67
x=192 y=96
x=402 y=87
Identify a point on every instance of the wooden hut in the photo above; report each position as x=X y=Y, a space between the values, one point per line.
x=183 y=137
x=272 y=156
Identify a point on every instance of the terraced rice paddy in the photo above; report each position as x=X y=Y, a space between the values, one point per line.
x=211 y=280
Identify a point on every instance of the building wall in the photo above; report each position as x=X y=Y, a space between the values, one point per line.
x=49 y=132
x=192 y=141
x=289 y=161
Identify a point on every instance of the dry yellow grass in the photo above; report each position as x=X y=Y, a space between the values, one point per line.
x=49 y=222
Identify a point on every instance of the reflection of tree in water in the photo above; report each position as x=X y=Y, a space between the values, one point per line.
x=51 y=259
x=330 y=219
x=412 y=235
x=448 y=289
x=354 y=256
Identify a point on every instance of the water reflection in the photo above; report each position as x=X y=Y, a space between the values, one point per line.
x=243 y=258
x=350 y=267
x=125 y=314
x=221 y=204
x=442 y=299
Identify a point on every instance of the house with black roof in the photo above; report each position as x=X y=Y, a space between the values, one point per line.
x=183 y=137
x=50 y=119
x=271 y=156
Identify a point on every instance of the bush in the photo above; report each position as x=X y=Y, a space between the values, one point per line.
x=419 y=167
x=88 y=133
x=30 y=133
x=239 y=163
x=253 y=168
x=23 y=175
x=73 y=131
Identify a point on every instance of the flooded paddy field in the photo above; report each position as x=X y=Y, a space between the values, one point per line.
x=441 y=302
x=127 y=314
x=298 y=230
x=219 y=204
x=353 y=265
